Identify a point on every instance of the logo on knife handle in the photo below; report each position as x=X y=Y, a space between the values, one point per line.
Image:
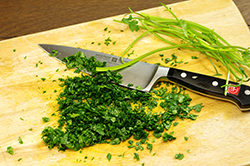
x=233 y=90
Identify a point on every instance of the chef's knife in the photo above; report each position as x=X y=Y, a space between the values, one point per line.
x=147 y=75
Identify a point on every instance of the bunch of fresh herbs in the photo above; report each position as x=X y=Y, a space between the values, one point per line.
x=192 y=36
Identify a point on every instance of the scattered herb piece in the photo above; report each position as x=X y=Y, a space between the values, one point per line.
x=30 y=129
x=149 y=146
x=107 y=41
x=198 y=107
x=43 y=79
x=153 y=140
x=192 y=116
x=140 y=146
x=132 y=52
x=115 y=141
x=174 y=57
x=130 y=142
x=121 y=155
x=168 y=137
x=194 y=57
x=40 y=62
x=186 y=138
x=20 y=140
x=19 y=159
x=10 y=150
x=175 y=123
x=109 y=156
x=167 y=60
x=179 y=156
x=14 y=50
x=45 y=119
x=136 y=156
x=143 y=140
x=25 y=57
x=157 y=134
x=79 y=160
x=21 y=119
x=54 y=53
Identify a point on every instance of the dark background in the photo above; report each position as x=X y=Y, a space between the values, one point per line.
x=22 y=17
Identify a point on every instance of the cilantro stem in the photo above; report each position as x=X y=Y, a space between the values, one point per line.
x=192 y=36
x=118 y=67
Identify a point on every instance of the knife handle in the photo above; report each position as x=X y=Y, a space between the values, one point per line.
x=211 y=86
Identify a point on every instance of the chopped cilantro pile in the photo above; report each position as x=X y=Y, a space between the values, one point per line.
x=95 y=109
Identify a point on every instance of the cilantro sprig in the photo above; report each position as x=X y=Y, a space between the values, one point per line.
x=192 y=36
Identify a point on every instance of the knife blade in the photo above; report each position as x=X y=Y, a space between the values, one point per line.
x=146 y=75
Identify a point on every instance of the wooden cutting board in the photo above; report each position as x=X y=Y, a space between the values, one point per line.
x=219 y=136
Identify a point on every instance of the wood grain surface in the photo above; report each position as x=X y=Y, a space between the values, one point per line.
x=20 y=18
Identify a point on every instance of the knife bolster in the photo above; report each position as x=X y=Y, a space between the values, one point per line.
x=160 y=73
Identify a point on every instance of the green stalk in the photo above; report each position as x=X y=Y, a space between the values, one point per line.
x=118 y=67
x=194 y=36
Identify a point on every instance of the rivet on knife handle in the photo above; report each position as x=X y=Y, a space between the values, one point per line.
x=211 y=86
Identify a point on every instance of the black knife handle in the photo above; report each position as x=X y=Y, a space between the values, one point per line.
x=211 y=86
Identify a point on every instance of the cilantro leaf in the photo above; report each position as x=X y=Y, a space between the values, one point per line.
x=179 y=156
x=109 y=156
x=198 y=107
x=131 y=23
x=168 y=137
x=45 y=119
x=20 y=140
x=136 y=156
